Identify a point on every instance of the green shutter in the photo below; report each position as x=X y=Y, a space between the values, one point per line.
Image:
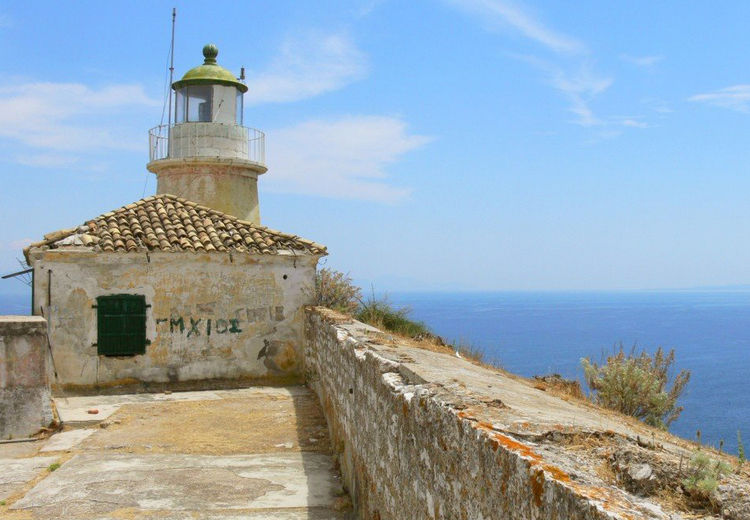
x=121 y=322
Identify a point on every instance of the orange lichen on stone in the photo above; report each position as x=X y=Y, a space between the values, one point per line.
x=609 y=501
x=517 y=447
x=557 y=474
x=537 y=486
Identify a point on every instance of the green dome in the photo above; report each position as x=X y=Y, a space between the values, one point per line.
x=210 y=73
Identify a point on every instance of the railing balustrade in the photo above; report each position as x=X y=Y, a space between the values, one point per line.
x=158 y=144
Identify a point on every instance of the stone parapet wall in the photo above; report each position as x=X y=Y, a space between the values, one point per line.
x=25 y=402
x=414 y=448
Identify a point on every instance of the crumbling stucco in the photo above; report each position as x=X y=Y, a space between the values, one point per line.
x=25 y=404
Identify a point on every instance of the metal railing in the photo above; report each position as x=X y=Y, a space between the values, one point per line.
x=158 y=144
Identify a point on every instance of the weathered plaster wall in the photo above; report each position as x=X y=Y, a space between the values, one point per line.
x=222 y=184
x=410 y=447
x=24 y=393
x=212 y=315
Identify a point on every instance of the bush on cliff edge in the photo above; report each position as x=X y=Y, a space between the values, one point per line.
x=636 y=384
x=335 y=290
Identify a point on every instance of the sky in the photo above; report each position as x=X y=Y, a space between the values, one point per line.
x=430 y=144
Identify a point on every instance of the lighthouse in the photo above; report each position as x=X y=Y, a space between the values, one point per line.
x=208 y=156
x=186 y=284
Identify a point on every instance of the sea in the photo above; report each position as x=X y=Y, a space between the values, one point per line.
x=538 y=333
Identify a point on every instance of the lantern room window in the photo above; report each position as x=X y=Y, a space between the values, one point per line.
x=193 y=104
x=179 y=109
x=199 y=103
x=238 y=108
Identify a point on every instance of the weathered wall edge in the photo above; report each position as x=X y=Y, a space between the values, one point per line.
x=406 y=449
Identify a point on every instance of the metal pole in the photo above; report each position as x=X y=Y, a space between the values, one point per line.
x=171 y=67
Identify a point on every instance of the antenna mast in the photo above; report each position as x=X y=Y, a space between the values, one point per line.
x=171 y=67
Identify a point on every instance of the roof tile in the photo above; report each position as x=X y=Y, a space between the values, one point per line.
x=168 y=223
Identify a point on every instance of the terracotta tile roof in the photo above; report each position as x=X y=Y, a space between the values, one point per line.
x=169 y=223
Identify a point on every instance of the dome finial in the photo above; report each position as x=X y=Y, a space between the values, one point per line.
x=210 y=51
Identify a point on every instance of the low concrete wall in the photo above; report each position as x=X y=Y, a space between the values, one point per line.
x=410 y=447
x=24 y=391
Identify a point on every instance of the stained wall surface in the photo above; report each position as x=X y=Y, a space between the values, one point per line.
x=24 y=393
x=212 y=315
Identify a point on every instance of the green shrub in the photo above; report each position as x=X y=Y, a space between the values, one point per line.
x=379 y=313
x=335 y=290
x=704 y=474
x=636 y=384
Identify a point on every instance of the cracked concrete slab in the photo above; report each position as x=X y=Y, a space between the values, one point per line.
x=16 y=473
x=66 y=440
x=90 y=484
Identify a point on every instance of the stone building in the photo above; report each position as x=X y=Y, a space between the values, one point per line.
x=184 y=285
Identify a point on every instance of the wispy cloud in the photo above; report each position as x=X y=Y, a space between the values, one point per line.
x=736 y=97
x=567 y=66
x=578 y=83
x=507 y=14
x=580 y=87
x=657 y=105
x=633 y=122
x=642 y=61
x=67 y=116
x=340 y=158
x=306 y=67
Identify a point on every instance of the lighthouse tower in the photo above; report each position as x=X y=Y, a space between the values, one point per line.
x=208 y=156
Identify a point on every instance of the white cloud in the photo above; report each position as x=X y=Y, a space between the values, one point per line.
x=51 y=115
x=736 y=97
x=506 y=13
x=340 y=158
x=307 y=67
x=642 y=61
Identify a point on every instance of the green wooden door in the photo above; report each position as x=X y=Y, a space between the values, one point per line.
x=121 y=324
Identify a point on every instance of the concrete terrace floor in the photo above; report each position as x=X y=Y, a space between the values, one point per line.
x=256 y=453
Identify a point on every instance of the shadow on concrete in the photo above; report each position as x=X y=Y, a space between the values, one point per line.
x=315 y=447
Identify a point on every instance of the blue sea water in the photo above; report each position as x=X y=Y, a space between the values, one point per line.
x=549 y=332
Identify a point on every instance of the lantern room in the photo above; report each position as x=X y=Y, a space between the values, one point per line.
x=209 y=93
